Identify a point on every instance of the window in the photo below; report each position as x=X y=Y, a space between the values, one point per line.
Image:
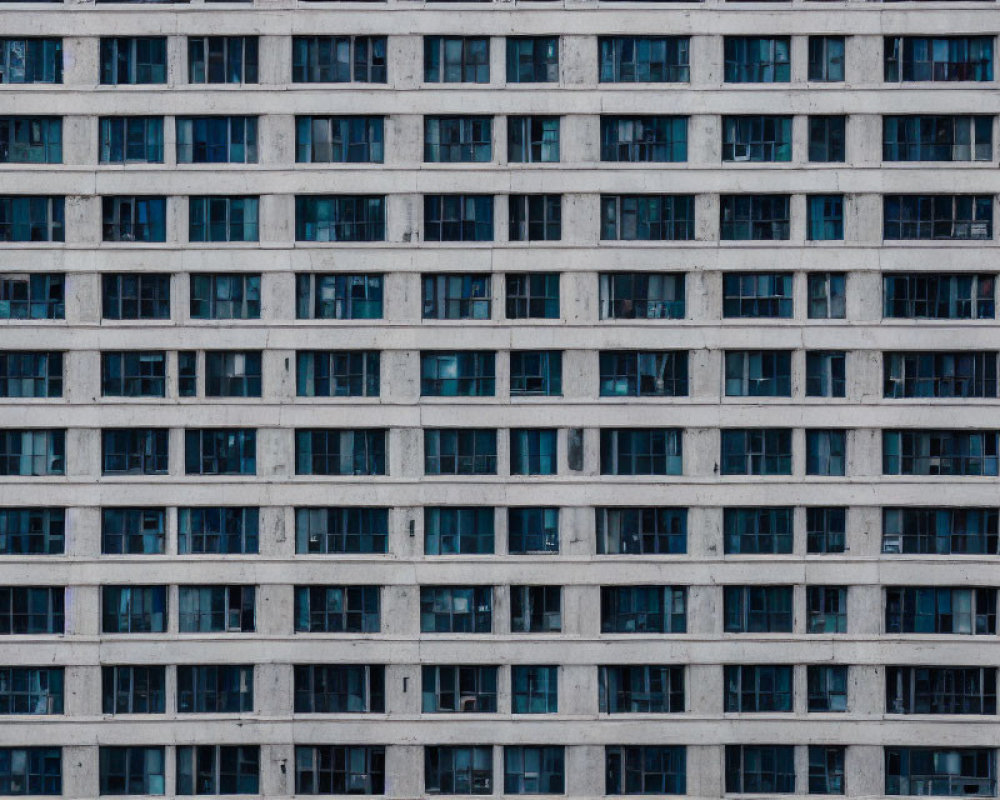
x=648 y=530
x=136 y=296
x=134 y=690
x=458 y=530
x=338 y=451
x=827 y=295
x=339 y=769
x=532 y=59
x=221 y=296
x=31 y=690
x=35 y=296
x=339 y=140
x=31 y=609
x=756 y=59
x=462 y=373
x=353 y=296
x=826 y=769
x=645 y=769
x=339 y=59
x=218 y=769
x=341 y=530
x=940 y=690
x=533 y=769
x=222 y=59
x=133 y=374
x=757 y=294
x=826 y=609
x=454 y=139
x=748 y=531
x=757 y=609
x=131 y=770
x=641 y=295
x=456 y=59
x=647 y=689
x=32 y=452
x=339 y=689
x=534 y=690
x=217 y=529
x=337 y=373
x=532 y=530
x=131 y=140
x=337 y=609
x=826 y=452
x=217 y=140
x=31 y=770
x=454 y=451
x=938 y=216
x=939 y=296
x=754 y=216
x=643 y=609
x=758 y=688
x=641 y=451
x=31 y=60
x=758 y=373
x=222 y=219
x=187 y=373
x=448 y=689
x=340 y=218
x=32 y=531
x=533 y=451
x=827 y=686
x=220 y=451
x=939 y=452
x=216 y=609
x=134 y=451
x=827 y=139
x=756 y=138
x=458 y=218
x=955 y=772
x=937 y=138
x=535 y=609
x=761 y=768
x=533 y=295
x=644 y=139
x=535 y=372
x=940 y=531
x=756 y=451
x=535 y=217
x=30 y=374
x=456 y=609
x=530 y=140
x=940 y=374
x=939 y=58
x=644 y=373
x=826 y=217
x=215 y=689
x=133 y=60
x=459 y=769
x=915 y=609
x=133 y=531
x=32 y=218
x=31 y=140
x=826 y=59
x=826 y=530
x=232 y=374
x=134 y=609
x=134 y=219
x=655 y=217
x=644 y=59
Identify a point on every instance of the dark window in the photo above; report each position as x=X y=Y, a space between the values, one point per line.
x=939 y=296
x=340 y=218
x=758 y=688
x=217 y=140
x=32 y=531
x=533 y=451
x=32 y=218
x=131 y=770
x=942 y=58
x=25 y=373
x=32 y=452
x=644 y=139
x=757 y=294
x=31 y=60
x=36 y=296
x=659 y=217
x=31 y=140
x=353 y=296
x=955 y=772
x=187 y=373
x=757 y=138
x=826 y=609
x=31 y=690
x=827 y=688
x=644 y=373
x=760 y=769
x=940 y=531
x=456 y=609
x=450 y=689
x=459 y=769
x=456 y=530
x=827 y=295
x=929 y=137
x=218 y=769
x=916 y=609
x=31 y=609
x=645 y=769
x=341 y=530
x=460 y=373
x=938 y=216
x=232 y=374
x=340 y=451
x=642 y=295
x=457 y=139
x=337 y=609
x=339 y=140
x=644 y=59
x=940 y=374
x=757 y=609
x=825 y=217
x=532 y=295
x=133 y=60
x=641 y=451
x=645 y=689
x=940 y=690
x=826 y=452
x=535 y=372
x=134 y=219
x=222 y=296
x=826 y=769
x=535 y=609
x=134 y=451
x=216 y=609
x=643 y=609
x=456 y=59
x=337 y=373
x=754 y=216
x=217 y=529
x=535 y=218
x=339 y=769
x=749 y=531
x=532 y=530
x=134 y=690
x=533 y=769
x=757 y=59
x=531 y=140
x=133 y=373
x=465 y=451
x=339 y=689
x=134 y=609
x=827 y=139
x=133 y=531
x=220 y=451
x=136 y=296
x=826 y=59
x=756 y=451
x=222 y=59
x=647 y=530
x=31 y=770
x=223 y=219
x=534 y=690
x=826 y=530
x=532 y=59
x=458 y=218
x=339 y=59
x=939 y=452
x=758 y=373
x=131 y=140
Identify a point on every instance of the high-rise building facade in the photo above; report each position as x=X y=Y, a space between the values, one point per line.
x=496 y=398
